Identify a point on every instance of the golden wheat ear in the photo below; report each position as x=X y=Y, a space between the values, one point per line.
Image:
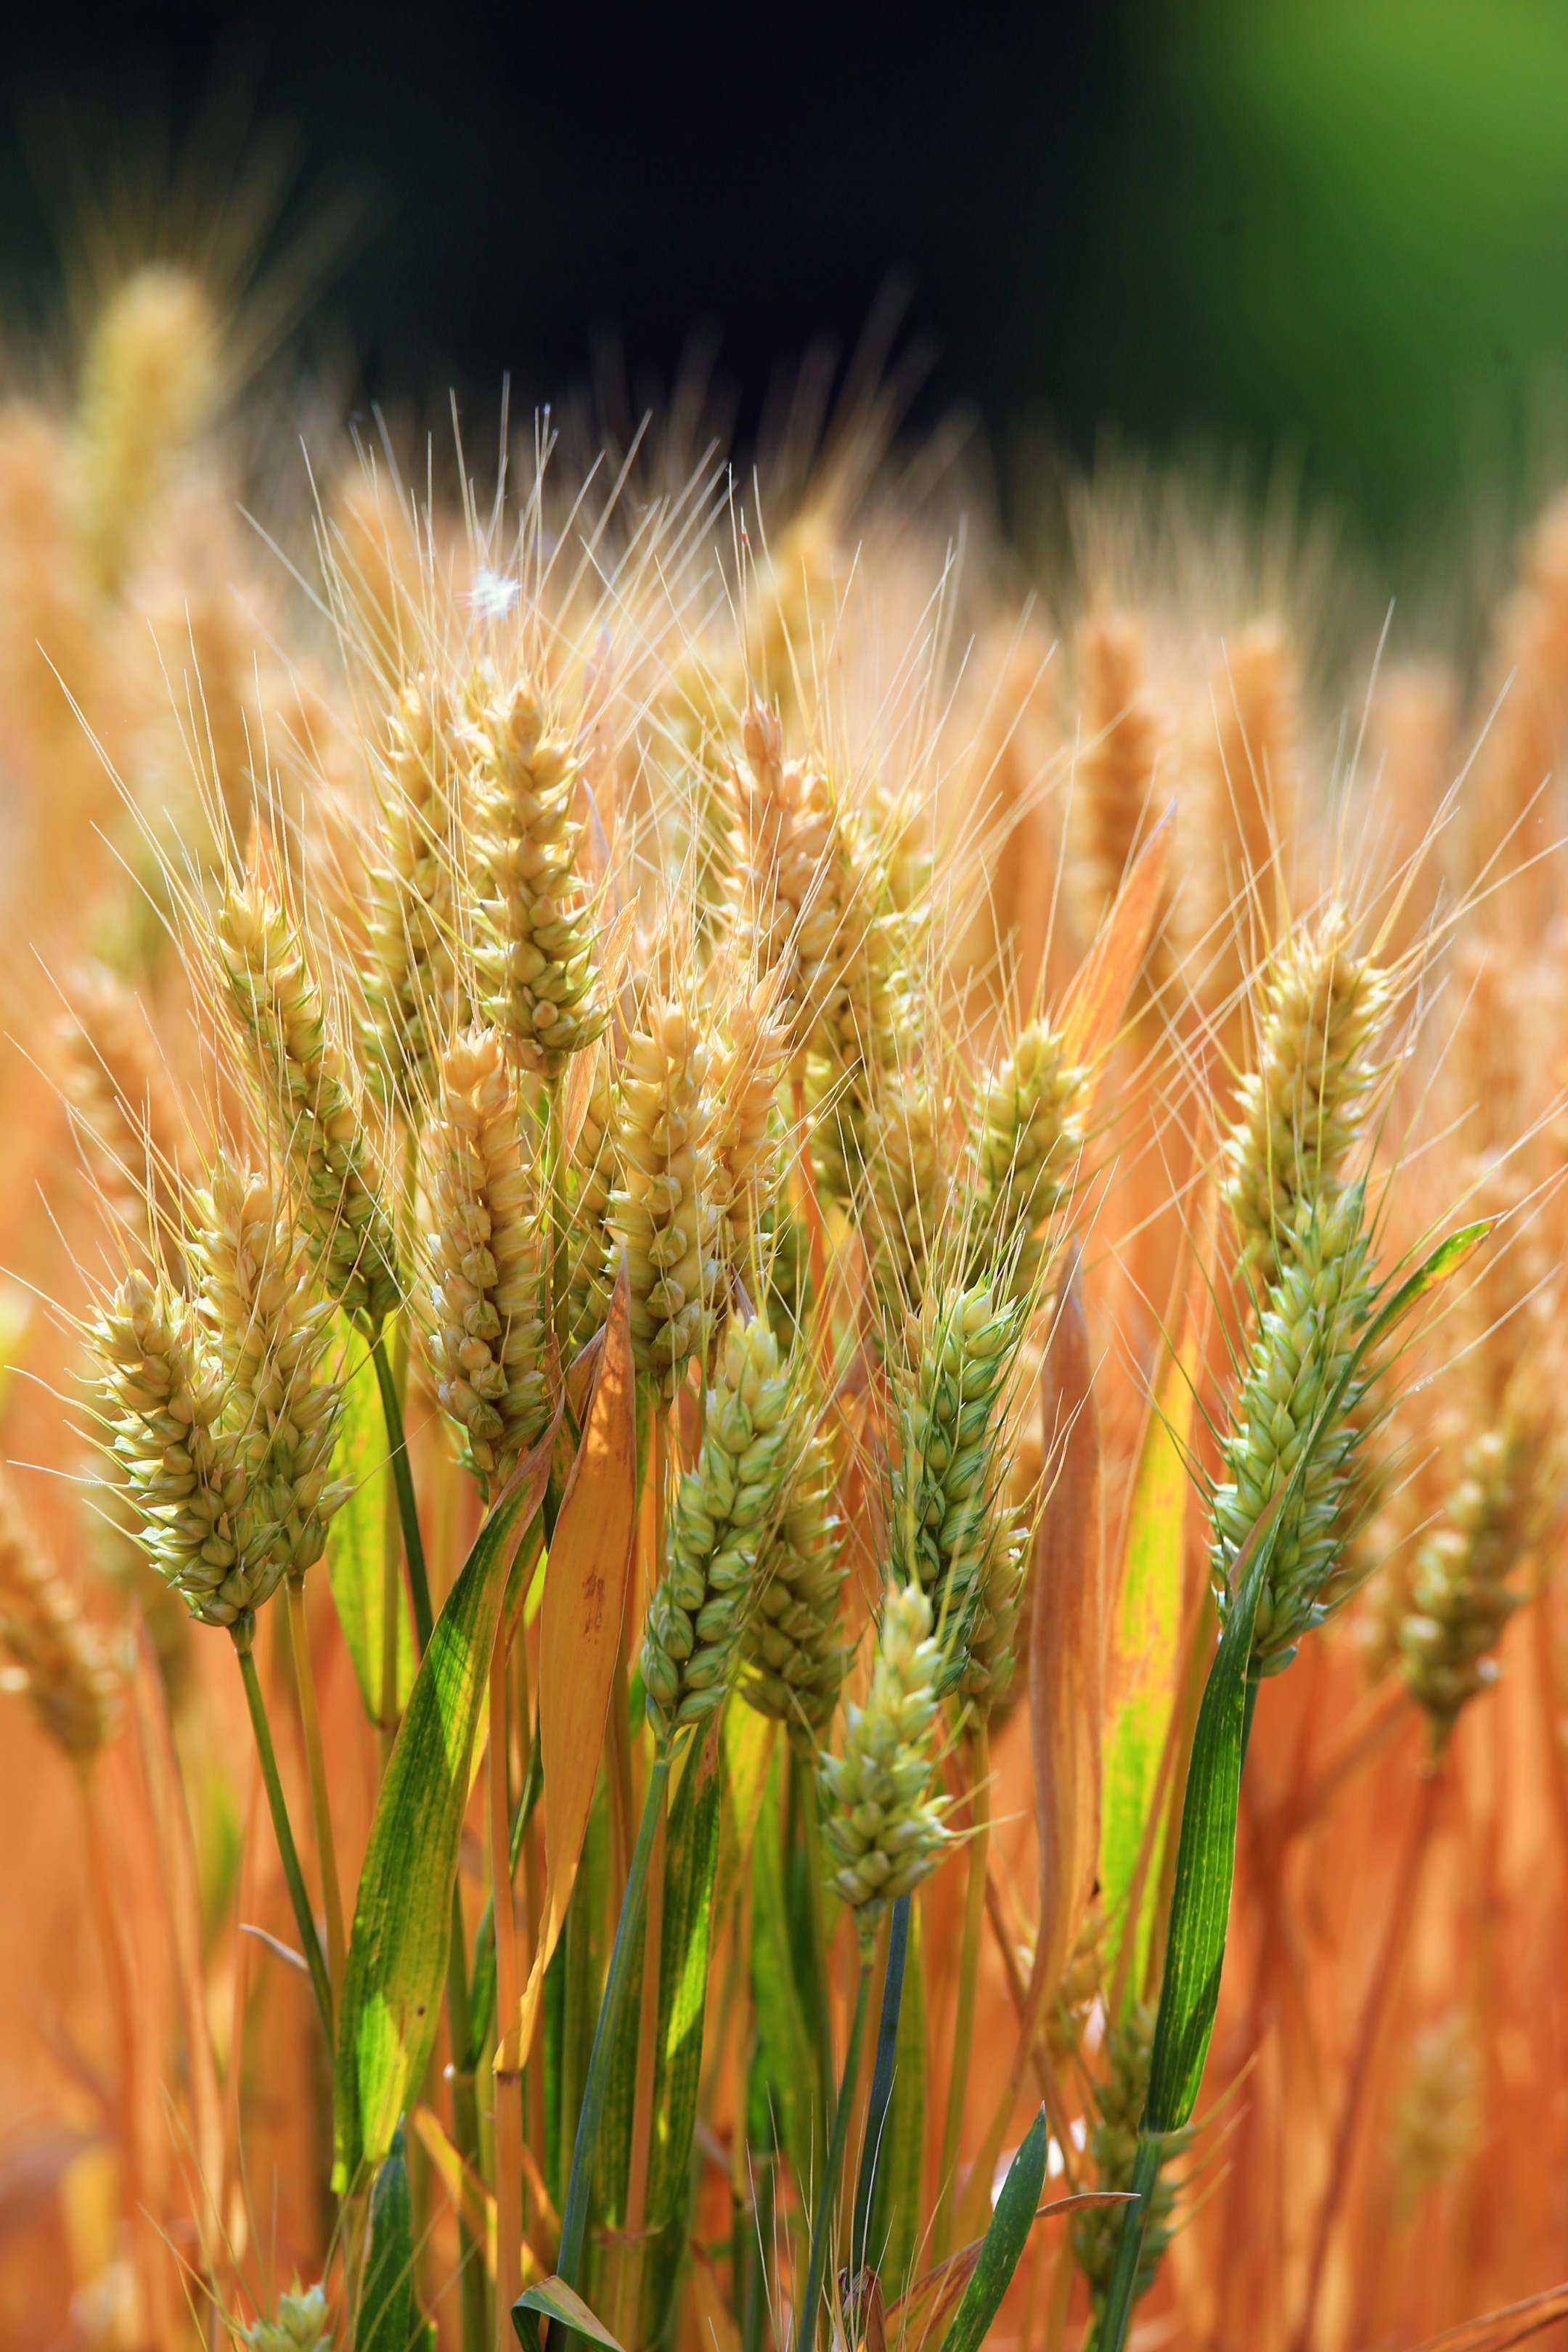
x=58 y=1663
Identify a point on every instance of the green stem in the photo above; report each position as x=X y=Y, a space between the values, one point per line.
x=285 y=1835
x=881 y=2084
x=822 y=2229
x=408 y=1511
x=1118 y=2295
x=464 y=2127
x=811 y=1838
x=968 y=1977
x=575 y=2220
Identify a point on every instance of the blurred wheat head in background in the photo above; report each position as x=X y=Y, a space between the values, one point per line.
x=736 y=1198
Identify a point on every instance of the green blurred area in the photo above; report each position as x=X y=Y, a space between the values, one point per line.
x=1341 y=225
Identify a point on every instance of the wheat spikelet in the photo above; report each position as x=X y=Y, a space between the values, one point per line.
x=302 y=2324
x=1113 y=2144
x=148 y=382
x=161 y=1401
x=591 y=1172
x=486 y=1278
x=1080 y=1988
x=745 y=1146
x=1026 y=1153
x=533 y=953
x=788 y=909
x=942 y=1521
x=659 y=1212
x=722 y=1517
x=907 y=1157
x=59 y=1662
x=794 y=1655
x=1122 y=739
x=270 y=1337
x=1311 y=1319
x=1461 y=1596
x=883 y=1829
x=123 y=1108
x=1438 y=2117
x=413 y=998
x=1299 y=1112
x=309 y=1094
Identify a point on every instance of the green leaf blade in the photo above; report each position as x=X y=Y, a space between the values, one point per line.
x=1147 y=1645
x=398 y=1951
x=356 y=1541
x=1003 y=2245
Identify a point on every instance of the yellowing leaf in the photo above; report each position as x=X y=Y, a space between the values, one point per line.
x=1067 y=1646
x=1094 y=1005
x=1066 y=1677
x=580 y=1631
x=356 y=1542
x=1145 y=1655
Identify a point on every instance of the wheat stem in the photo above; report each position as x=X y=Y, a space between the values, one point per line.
x=464 y=2123
x=642 y=2094
x=320 y=1804
x=811 y=2304
x=968 y=1975
x=407 y=1508
x=881 y=2084
x=575 y=2219
x=806 y=1802
x=508 y=2084
x=1384 y=1970
x=123 y=2009
x=293 y=1874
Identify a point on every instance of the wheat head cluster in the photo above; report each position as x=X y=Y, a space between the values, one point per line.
x=783 y=1458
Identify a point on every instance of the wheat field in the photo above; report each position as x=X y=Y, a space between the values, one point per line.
x=722 y=1222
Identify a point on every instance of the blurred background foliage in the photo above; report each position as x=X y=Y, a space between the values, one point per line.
x=1336 y=233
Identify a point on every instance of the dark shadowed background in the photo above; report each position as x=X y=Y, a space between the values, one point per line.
x=1335 y=233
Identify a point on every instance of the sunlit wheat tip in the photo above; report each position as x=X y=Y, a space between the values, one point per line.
x=309 y=1094
x=1299 y=1112
x=1028 y=1148
x=536 y=936
x=411 y=967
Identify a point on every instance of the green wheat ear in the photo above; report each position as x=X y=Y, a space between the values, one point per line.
x=884 y=1830
x=1312 y=1320
x=302 y=2324
x=722 y=1516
